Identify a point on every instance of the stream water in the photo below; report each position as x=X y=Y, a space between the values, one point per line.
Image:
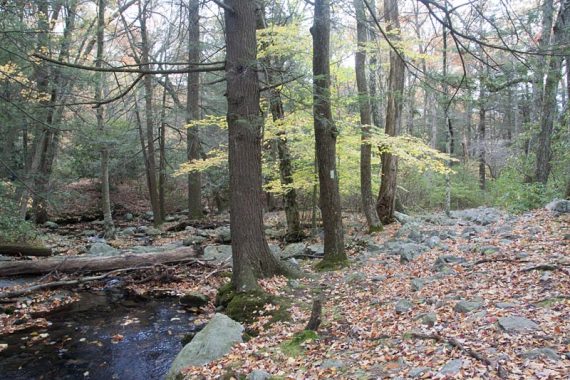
x=100 y=337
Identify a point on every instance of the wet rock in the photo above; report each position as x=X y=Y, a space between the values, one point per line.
x=214 y=341
x=403 y=306
x=102 y=249
x=517 y=324
x=452 y=367
x=193 y=299
x=467 y=306
x=258 y=375
x=559 y=205
x=218 y=253
x=538 y=353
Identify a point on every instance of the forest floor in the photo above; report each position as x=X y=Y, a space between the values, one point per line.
x=479 y=295
x=485 y=302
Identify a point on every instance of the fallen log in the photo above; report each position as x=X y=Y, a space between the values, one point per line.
x=24 y=250
x=79 y=264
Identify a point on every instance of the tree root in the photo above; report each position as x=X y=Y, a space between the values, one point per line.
x=474 y=354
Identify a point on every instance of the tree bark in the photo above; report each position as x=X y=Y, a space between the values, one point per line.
x=365 y=120
x=24 y=250
x=325 y=139
x=100 y=115
x=385 y=205
x=76 y=264
x=481 y=135
x=149 y=116
x=252 y=258
x=554 y=74
x=193 y=111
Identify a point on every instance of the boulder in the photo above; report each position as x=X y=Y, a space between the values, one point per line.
x=467 y=306
x=442 y=262
x=218 y=253
x=417 y=284
x=332 y=363
x=452 y=367
x=193 y=299
x=403 y=218
x=517 y=324
x=481 y=215
x=561 y=206
x=315 y=249
x=258 y=375
x=149 y=215
x=429 y=319
x=223 y=235
x=213 y=342
x=152 y=231
x=102 y=249
x=192 y=240
x=418 y=371
x=294 y=249
x=539 y=353
x=128 y=217
x=51 y=225
x=90 y=233
x=403 y=306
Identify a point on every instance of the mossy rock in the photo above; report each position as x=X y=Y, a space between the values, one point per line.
x=327 y=265
x=244 y=307
x=293 y=347
x=225 y=294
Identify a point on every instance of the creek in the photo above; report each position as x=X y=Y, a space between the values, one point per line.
x=102 y=336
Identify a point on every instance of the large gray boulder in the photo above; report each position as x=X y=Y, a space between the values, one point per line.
x=223 y=235
x=559 y=205
x=218 y=253
x=517 y=324
x=213 y=342
x=102 y=249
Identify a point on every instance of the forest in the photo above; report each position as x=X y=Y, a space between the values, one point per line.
x=284 y=189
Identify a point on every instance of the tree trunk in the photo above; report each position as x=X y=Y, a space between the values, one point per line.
x=100 y=114
x=365 y=120
x=294 y=231
x=541 y=64
x=149 y=116
x=162 y=159
x=252 y=258
x=193 y=111
x=76 y=264
x=481 y=135
x=325 y=139
x=387 y=195
x=544 y=151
